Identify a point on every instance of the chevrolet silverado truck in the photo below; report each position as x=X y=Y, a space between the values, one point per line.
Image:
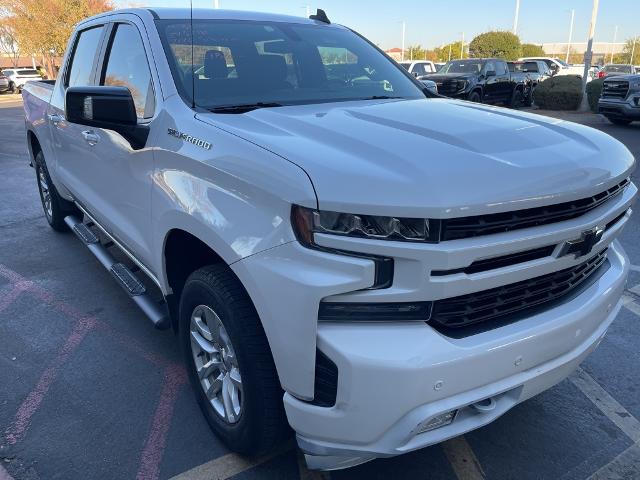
x=482 y=80
x=620 y=99
x=340 y=252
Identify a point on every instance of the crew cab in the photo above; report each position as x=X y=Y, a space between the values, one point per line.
x=336 y=248
x=483 y=80
x=620 y=99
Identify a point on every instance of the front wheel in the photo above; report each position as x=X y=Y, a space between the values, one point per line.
x=475 y=97
x=229 y=362
x=619 y=121
x=12 y=87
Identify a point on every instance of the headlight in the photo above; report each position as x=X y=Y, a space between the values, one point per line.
x=306 y=222
x=462 y=84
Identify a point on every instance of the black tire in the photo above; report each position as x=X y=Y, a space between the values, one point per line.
x=619 y=121
x=261 y=424
x=58 y=206
x=528 y=100
x=12 y=87
x=517 y=99
x=475 y=97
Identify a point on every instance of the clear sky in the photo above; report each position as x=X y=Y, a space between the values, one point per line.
x=431 y=23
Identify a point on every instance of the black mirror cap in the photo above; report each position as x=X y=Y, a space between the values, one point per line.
x=111 y=108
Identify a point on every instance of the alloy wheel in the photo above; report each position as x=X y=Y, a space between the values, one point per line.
x=216 y=363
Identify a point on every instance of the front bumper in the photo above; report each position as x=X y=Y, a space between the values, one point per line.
x=628 y=109
x=392 y=378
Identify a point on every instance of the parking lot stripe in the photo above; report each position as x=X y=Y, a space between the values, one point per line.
x=462 y=459
x=227 y=466
x=11 y=297
x=174 y=379
x=30 y=405
x=4 y=475
x=607 y=404
x=625 y=466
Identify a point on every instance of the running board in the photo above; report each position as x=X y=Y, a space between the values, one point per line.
x=156 y=312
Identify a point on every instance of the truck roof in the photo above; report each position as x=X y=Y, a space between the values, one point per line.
x=208 y=14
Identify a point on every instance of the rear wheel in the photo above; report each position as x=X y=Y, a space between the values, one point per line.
x=55 y=207
x=12 y=87
x=619 y=121
x=229 y=362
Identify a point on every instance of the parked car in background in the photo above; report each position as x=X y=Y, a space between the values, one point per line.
x=531 y=71
x=557 y=66
x=19 y=76
x=620 y=99
x=419 y=68
x=483 y=80
x=430 y=85
x=4 y=83
x=439 y=65
x=614 y=69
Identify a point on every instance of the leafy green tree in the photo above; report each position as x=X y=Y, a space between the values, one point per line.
x=632 y=54
x=496 y=44
x=532 y=50
x=450 y=51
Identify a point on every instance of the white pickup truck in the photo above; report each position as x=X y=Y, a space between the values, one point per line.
x=336 y=248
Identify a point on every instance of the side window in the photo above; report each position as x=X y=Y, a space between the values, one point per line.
x=489 y=67
x=127 y=66
x=419 y=69
x=501 y=68
x=84 y=55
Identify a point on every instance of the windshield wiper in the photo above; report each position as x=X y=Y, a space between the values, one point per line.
x=382 y=97
x=244 y=108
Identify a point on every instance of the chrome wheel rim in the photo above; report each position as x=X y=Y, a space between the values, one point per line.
x=45 y=193
x=216 y=363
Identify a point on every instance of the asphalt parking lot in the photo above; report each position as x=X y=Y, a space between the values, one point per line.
x=89 y=390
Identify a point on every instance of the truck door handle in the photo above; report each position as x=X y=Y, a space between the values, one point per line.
x=54 y=118
x=90 y=137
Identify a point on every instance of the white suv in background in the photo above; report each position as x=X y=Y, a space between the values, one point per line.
x=19 y=76
x=557 y=66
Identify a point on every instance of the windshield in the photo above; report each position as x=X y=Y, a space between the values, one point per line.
x=618 y=68
x=27 y=72
x=462 y=66
x=564 y=64
x=239 y=63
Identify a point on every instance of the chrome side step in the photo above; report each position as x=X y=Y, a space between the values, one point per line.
x=158 y=313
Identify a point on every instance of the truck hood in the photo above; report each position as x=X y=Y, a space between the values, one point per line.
x=434 y=158
x=443 y=77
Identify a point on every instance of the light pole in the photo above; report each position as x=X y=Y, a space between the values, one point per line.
x=573 y=14
x=216 y=4
x=404 y=28
x=462 y=46
x=308 y=9
x=588 y=55
x=515 y=18
x=633 y=49
x=450 y=45
x=613 y=45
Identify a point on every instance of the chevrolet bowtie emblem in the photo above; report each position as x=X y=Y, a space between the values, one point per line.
x=583 y=245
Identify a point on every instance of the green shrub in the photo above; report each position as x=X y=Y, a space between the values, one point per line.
x=532 y=50
x=497 y=44
x=594 y=89
x=559 y=93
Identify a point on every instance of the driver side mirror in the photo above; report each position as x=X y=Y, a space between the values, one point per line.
x=111 y=108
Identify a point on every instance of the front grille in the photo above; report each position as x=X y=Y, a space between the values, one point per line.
x=498 y=303
x=466 y=227
x=447 y=87
x=615 y=89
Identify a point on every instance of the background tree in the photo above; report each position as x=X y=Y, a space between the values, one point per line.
x=532 y=50
x=9 y=45
x=496 y=44
x=43 y=27
x=442 y=53
x=629 y=49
